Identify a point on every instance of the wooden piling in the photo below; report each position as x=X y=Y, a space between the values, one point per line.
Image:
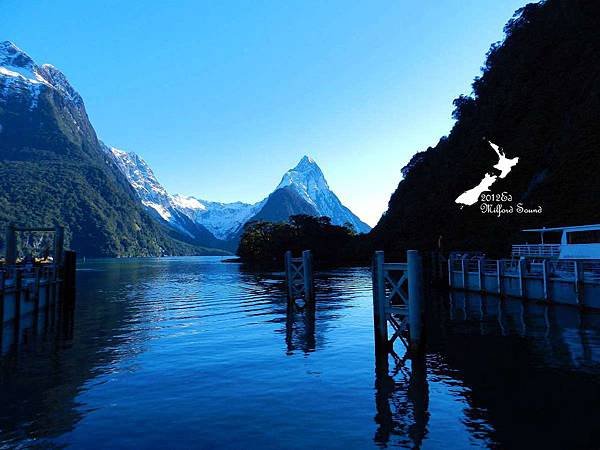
x=480 y=275
x=59 y=239
x=545 y=278
x=2 y=288
x=18 y=287
x=69 y=271
x=578 y=272
x=288 y=274
x=521 y=278
x=308 y=276
x=402 y=308
x=379 y=298
x=10 y=258
x=498 y=277
x=299 y=277
x=415 y=299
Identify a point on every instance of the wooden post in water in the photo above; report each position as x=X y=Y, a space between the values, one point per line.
x=2 y=288
x=299 y=277
x=379 y=299
x=308 y=276
x=578 y=274
x=59 y=240
x=415 y=299
x=11 y=245
x=18 y=286
x=288 y=275
x=521 y=278
x=498 y=277
x=68 y=284
x=545 y=278
x=480 y=275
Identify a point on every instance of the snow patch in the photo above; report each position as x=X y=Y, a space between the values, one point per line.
x=22 y=75
x=187 y=202
x=160 y=209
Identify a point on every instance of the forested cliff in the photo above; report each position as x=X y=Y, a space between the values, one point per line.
x=538 y=98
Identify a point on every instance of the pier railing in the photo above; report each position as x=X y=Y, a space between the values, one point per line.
x=27 y=286
x=299 y=277
x=398 y=301
x=564 y=281
x=536 y=250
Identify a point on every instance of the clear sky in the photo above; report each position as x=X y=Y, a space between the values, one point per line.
x=221 y=97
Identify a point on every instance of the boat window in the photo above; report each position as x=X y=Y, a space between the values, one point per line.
x=550 y=237
x=583 y=237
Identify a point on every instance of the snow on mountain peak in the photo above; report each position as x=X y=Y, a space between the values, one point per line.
x=190 y=203
x=15 y=63
x=306 y=160
x=306 y=178
x=20 y=74
x=225 y=220
x=308 y=181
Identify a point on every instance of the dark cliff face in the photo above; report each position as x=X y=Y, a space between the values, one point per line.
x=539 y=99
x=283 y=203
x=52 y=168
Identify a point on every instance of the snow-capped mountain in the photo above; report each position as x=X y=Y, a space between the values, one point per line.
x=54 y=169
x=223 y=220
x=308 y=181
x=302 y=190
x=139 y=174
x=21 y=74
x=34 y=89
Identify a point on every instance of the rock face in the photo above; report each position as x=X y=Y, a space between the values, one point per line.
x=54 y=169
x=539 y=100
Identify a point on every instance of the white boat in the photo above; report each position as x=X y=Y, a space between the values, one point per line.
x=577 y=242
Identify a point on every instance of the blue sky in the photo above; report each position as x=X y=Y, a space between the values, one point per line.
x=221 y=98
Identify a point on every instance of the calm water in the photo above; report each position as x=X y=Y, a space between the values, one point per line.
x=195 y=353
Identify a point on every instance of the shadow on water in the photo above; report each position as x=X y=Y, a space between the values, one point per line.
x=123 y=307
x=306 y=327
x=300 y=329
x=48 y=358
x=29 y=347
x=528 y=375
x=193 y=344
x=532 y=368
x=402 y=401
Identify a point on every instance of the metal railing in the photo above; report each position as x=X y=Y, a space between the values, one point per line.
x=536 y=250
x=27 y=275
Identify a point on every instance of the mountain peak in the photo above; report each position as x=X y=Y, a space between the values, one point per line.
x=8 y=46
x=306 y=177
x=305 y=163
x=17 y=66
x=15 y=60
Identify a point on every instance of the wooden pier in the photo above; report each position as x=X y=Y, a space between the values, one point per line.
x=398 y=301
x=299 y=277
x=559 y=281
x=28 y=287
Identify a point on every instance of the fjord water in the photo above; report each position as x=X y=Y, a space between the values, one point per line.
x=197 y=353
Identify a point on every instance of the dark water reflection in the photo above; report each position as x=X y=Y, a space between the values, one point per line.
x=194 y=353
